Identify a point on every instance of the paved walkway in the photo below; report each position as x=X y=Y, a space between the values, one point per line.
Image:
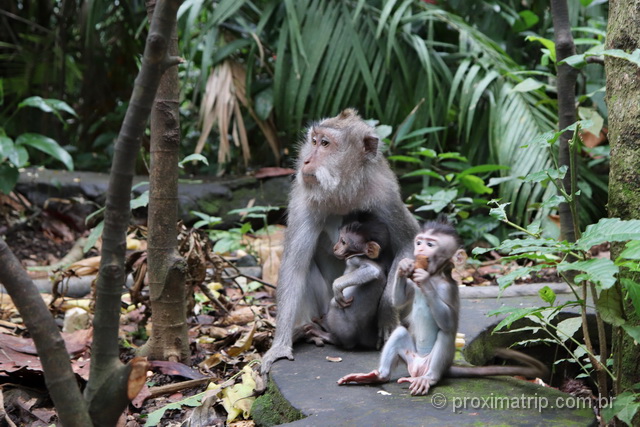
x=309 y=385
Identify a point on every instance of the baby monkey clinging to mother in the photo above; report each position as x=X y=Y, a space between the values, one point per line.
x=428 y=345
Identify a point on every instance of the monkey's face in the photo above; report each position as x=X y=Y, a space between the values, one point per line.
x=316 y=156
x=353 y=244
x=438 y=248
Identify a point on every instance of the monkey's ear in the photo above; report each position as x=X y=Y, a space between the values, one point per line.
x=373 y=250
x=459 y=258
x=370 y=144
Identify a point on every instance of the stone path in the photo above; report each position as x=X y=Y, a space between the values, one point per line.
x=309 y=385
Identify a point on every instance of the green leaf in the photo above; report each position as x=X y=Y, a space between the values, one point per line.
x=634 y=57
x=475 y=184
x=609 y=230
x=154 y=418
x=194 y=158
x=633 y=331
x=482 y=169
x=633 y=288
x=407 y=159
x=546 y=174
x=597 y=270
x=93 y=237
x=549 y=44
x=609 y=306
x=527 y=85
x=515 y=314
x=526 y=20
x=438 y=201
x=8 y=177
x=499 y=212
x=6 y=146
x=141 y=201
x=420 y=132
x=632 y=250
x=547 y=295
x=568 y=327
x=624 y=406
x=424 y=172
x=508 y=279
x=54 y=106
x=46 y=145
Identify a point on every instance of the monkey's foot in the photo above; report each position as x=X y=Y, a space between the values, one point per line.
x=372 y=377
x=419 y=386
x=316 y=334
x=275 y=352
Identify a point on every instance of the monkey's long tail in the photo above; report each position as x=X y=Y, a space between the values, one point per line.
x=532 y=368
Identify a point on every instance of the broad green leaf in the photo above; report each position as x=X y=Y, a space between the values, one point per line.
x=609 y=306
x=526 y=20
x=6 y=145
x=141 y=201
x=568 y=327
x=383 y=131
x=632 y=250
x=633 y=288
x=475 y=184
x=597 y=270
x=482 y=169
x=549 y=44
x=54 y=106
x=8 y=177
x=633 y=57
x=528 y=85
x=633 y=331
x=438 y=201
x=575 y=61
x=609 y=230
x=624 y=406
x=454 y=156
x=46 y=145
x=547 y=295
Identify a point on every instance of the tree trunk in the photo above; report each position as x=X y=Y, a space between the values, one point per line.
x=112 y=384
x=59 y=378
x=623 y=93
x=566 y=83
x=167 y=270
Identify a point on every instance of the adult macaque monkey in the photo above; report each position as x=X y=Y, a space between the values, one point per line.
x=352 y=317
x=428 y=346
x=340 y=169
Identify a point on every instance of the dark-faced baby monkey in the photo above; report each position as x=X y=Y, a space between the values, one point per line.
x=352 y=317
x=428 y=345
x=340 y=169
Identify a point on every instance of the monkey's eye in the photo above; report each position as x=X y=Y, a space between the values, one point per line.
x=430 y=244
x=313 y=141
x=344 y=242
x=324 y=142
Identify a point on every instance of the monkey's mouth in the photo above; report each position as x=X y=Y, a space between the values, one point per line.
x=309 y=178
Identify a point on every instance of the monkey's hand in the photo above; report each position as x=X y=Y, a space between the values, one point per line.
x=418 y=386
x=405 y=267
x=420 y=277
x=339 y=298
x=276 y=352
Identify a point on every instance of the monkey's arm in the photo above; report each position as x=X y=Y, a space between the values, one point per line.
x=300 y=243
x=442 y=299
x=361 y=271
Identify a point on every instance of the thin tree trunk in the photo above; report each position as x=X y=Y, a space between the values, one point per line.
x=59 y=378
x=167 y=270
x=112 y=384
x=623 y=93
x=566 y=83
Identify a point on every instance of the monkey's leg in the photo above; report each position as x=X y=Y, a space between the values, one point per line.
x=399 y=346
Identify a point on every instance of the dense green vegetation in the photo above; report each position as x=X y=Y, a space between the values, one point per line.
x=472 y=78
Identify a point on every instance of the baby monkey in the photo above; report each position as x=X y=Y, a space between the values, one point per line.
x=352 y=317
x=428 y=345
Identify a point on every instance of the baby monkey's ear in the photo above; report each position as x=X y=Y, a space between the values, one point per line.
x=459 y=258
x=373 y=250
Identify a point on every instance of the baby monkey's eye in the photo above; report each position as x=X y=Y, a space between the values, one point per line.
x=313 y=141
x=324 y=142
